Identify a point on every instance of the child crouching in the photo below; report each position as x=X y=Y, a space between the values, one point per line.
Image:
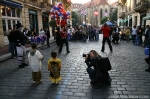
x=54 y=66
x=35 y=58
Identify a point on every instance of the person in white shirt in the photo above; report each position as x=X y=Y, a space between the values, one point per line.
x=134 y=33
x=34 y=58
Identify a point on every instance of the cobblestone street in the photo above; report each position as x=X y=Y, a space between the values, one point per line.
x=129 y=79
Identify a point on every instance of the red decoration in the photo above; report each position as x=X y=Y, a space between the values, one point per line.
x=63 y=22
x=95 y=13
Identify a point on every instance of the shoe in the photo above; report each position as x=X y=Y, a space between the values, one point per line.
x=102 y=51
x=38 y=82
x=68 y=51
x=111 y=50
x=147 y=70
x=24 y=64
x=14 y=57
x=57 y=83
x=21 y=66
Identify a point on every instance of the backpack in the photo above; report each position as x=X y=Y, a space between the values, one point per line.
x=104 y=64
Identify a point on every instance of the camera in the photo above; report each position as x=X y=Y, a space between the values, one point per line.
x=84 y=55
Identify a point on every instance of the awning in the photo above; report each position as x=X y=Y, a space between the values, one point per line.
x=11 y=3
x=147 y=17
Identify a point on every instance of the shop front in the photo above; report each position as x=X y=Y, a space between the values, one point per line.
x=45 y=20
x=33 y=20
x=10 y=16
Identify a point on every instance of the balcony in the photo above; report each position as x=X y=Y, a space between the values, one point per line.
x=32 y=2
x=121 y=14
x=141 y=6
x=45 y=5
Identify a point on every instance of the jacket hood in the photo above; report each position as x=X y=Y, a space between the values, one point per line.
x=32 y=52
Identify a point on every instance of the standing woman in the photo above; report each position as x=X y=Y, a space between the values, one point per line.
x=64 y=39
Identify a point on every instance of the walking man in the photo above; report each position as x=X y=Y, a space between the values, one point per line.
x=106 y=32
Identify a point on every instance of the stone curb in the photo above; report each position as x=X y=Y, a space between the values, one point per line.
x=8 y=56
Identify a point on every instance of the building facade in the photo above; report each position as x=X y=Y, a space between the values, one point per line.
x=95 y=10
x=33 y=14
x=133 y=12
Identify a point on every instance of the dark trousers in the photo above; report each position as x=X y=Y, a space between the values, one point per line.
x=36 y=76
x=13 y=49
x=148 y=62
x=103 y=43
x=61 y=45
x=133 y=39
x=48 y=42
x=90 y=71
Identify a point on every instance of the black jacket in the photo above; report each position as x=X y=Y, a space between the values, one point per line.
x=19 y=38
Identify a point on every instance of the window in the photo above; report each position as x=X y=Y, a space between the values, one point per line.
x=18 y=13
x=14 y=24
x=13 y=12
x=3 y=11
x=8 y=11
x=9 y=24
x=4 y=25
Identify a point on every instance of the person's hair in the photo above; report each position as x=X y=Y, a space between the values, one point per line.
x=33 y=45
x=96 y=55
x=53 y=54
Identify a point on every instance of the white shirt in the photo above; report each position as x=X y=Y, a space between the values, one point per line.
x=134 y=31
x=35 y=61
x=41 y=33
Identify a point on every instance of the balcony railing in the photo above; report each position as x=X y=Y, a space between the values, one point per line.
x=32 y=2
x=141 y=6
x=121 y=14
x=45 y=5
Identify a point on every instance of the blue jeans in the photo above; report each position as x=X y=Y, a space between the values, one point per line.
x=138 y=40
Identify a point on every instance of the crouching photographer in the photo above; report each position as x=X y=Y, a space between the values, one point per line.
x=98 y=75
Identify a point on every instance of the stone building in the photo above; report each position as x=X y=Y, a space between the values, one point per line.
x=33 y=14
x=133 y=12
x=101 y=7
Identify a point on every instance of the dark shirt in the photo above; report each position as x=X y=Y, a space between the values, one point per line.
x=19 y=38
x=92 y=62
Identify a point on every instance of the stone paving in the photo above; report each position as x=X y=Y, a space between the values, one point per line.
x=129 y=79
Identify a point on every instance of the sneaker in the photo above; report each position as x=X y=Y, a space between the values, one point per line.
x=102 y=51
x=24 y=64
x=57 y=83
x=147 y=70
x=39 y=82
x=21 y=66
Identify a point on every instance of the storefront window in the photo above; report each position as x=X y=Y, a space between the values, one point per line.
x=14 y=24
x=9 y=24
x=18 y=21
x=13 y=12
x=8 y=11
x=18 y=13
x=4 y=25
x=3 y=11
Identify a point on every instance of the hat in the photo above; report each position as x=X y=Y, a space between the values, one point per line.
x=18 y=25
